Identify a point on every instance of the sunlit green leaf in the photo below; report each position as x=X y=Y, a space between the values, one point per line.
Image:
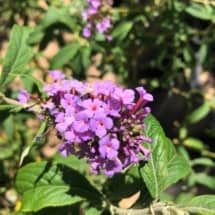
x=42 y=178
x=202 y=205
x=201 y=11
x=165 y=166
x=194 y=143
x=121 y=31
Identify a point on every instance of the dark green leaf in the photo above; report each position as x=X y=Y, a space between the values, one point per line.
x=66 y=54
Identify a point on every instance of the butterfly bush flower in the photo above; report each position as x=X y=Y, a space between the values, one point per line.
x=23 y=96
x=97 y=18
x=102 y=123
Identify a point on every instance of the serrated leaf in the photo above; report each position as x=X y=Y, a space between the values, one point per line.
x=202 y=205
x=165 y=167
x=18 y=53
x=67 y=53
x=198 y=114
x=35 y=177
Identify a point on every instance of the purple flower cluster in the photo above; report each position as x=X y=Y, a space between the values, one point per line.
x=102 y=122
x=96 y=15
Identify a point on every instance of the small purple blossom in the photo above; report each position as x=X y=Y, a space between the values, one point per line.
x=108 y=147
x=56 y=75
x=23 y=96
x=87 y=32
x=97 y=18
x=100 y=124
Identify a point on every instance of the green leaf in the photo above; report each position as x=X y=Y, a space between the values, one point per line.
x=198 y=114
x=18 y=53
x=7 y=107
x=93 y=211
x=47 y=196
x=194 y=143
x=203 y=179
x=203 y=161
x=121 y=31
x=85 y=56
x=165 y=167
x=27 y=150
x=72 y=161
x=203 y=51
x=66 y=54
x=68 y=186
x=201 y=11
x=203 y=205
x=183 y=197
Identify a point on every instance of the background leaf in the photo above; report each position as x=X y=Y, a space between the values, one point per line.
x=18 y=54
x=198 y=114
x=67 y=53
x=121 y=31
x=201 y=11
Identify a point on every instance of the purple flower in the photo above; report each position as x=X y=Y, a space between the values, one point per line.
x=70 y=136
x=100 y=124
x=97 y=18
x=23 y=96
x=86 y=32
x=81 y=122
x=103 y=25
x=56 y=75
x=143 y=94
x=68 y=101
x=113 y=107
x=112 y=167
x=95 y=3
x=66 y=149
x=108 y=147
x=48 y=105
x=125 y=96
x=52 y=89
x=92 y=106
